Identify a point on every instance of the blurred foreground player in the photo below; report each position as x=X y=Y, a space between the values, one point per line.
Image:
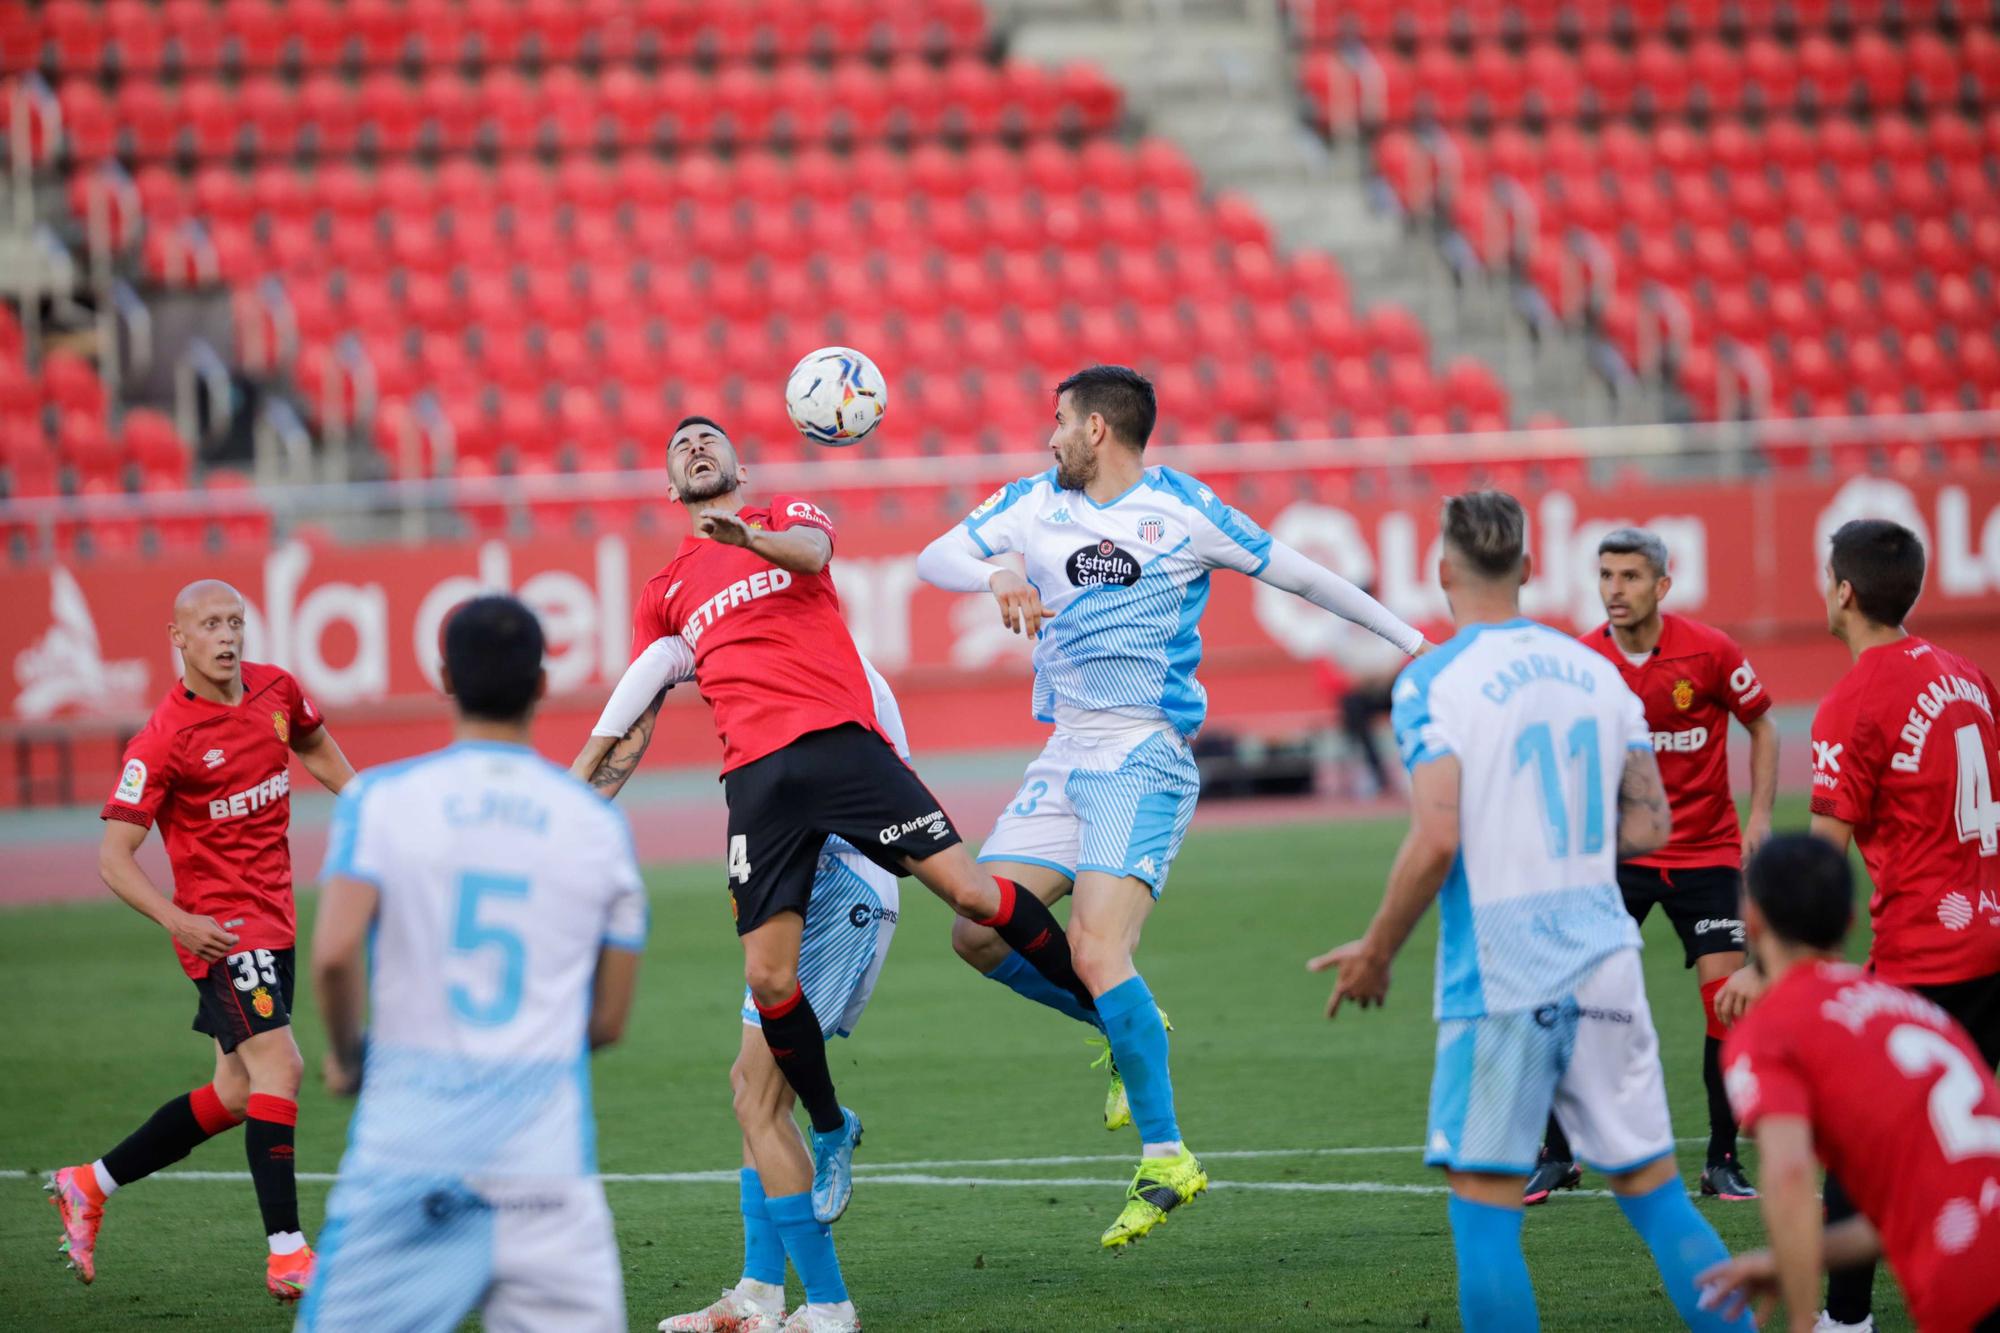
x=1118 y=556
x=751 y=593
x=212 y=768
x=850 y=920
x=482 y=910
x=1692 y=679
x=1531 y=773
x=1904 y=762
x=1879 y=1085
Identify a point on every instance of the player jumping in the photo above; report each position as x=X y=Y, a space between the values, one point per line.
x=804 y=759
x=1118 y=556
x=482 y=910
x=212 y=767
x=1837 y=1067
x=1691 y=679
x=848 y=924
x=1904 y=764
x=1531 y=774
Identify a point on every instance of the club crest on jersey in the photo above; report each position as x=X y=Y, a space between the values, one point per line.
x=1684 y=694
x=282 y=727
x=1151 y=529
x=1101 y=563
x=260 y=1000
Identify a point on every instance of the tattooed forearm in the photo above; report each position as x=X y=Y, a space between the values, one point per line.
x=615 y=768
x=1644 y=820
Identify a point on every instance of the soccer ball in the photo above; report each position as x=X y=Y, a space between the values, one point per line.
x=836 y=396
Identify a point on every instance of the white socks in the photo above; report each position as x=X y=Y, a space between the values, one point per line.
x=766 y=1296
x=1161 y=1149
x=287 y=1242
x=105 y=1184
x=843 y=1311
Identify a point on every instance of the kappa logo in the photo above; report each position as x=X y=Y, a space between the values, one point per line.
x=1439 y=1143
x=1826 y=756
x=1151 y=529
x=1146 y=865
x=1061 y=516
x=213 y=759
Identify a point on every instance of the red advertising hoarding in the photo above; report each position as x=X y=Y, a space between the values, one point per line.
x=87 y=649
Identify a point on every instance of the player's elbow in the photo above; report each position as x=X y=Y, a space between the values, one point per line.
x=606 y=1029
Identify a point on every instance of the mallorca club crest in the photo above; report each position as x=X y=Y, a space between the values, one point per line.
x=1151 y=529
x=260 y=1000
x=283 y=727
x=1684 y=694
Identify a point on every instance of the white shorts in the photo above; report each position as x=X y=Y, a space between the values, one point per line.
x=421 y=1253
x=1593 y=1057
x=850 y=919
x=1119 y=802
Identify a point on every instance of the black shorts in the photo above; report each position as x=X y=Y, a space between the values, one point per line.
x=1976 y=1006
x=845 y=782
x=1703 y=902
x=245 y=994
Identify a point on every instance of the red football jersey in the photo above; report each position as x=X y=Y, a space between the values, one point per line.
x=1904 y=750
x=771 y=654
x=1903 y=1111
x=1695 y=680
x=217 y=780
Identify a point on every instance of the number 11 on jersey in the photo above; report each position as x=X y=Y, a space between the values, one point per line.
x=1536 y=745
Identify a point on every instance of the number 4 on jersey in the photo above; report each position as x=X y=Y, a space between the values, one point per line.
x=739 y=858
x=1978 y=815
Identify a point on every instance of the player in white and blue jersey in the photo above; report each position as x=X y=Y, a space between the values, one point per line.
x=1532 y=773
x=482 y=911
x=1117 y=558
x=849 y=921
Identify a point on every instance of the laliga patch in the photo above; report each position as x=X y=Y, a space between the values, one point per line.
x=131 y=783
x=989 y=504
x=1104 y=562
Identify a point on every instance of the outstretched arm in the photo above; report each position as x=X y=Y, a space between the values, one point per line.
x=802 y=549
x=953 y=563
x=608 y=770
x=1644 y=820
x=1291 y=570
x=625 y=727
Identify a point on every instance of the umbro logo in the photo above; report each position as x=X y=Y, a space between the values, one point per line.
x=213 y=759
x=673 y=588
x=1826 y=755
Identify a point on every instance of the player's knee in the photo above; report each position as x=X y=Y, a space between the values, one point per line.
x=275 y=1067
x=1101 y=962
x=771 y=982
x=980 y=946
x=232 y=1089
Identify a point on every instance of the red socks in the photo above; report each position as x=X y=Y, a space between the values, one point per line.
x=1709 y=991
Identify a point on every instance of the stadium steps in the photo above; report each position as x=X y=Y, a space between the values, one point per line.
x=1217 y=79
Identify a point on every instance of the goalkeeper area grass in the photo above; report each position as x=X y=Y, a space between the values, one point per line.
x=986 y=1175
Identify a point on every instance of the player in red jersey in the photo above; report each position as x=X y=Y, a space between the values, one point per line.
x=212 y=769
x=751 y=593
x=1884 y=1088
x=1904 y=761
x=1692 y=679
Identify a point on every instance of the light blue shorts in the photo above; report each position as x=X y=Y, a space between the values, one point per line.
x=850 y=919
x=1592 y=1057
x=1120 y=804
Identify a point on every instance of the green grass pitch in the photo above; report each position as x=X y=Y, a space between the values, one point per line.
x=946 y=1068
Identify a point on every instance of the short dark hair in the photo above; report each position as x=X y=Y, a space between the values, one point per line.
x=1884 y=563
x=1119 y=394
x=1636 y=541
x=1488 y=529
x=709 y=422
x=1805 y=889
x=493 y=649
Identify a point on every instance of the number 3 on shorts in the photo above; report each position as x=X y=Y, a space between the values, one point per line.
x=739 y=858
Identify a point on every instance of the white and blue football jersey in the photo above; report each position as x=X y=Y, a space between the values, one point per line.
x=501 y=878
x=1127 y=581
x=1540 y=726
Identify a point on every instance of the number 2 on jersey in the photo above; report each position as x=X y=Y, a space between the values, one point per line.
x=471 y=935
x=1961 y=1131
x=1978 y=816
x=1536 y=745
